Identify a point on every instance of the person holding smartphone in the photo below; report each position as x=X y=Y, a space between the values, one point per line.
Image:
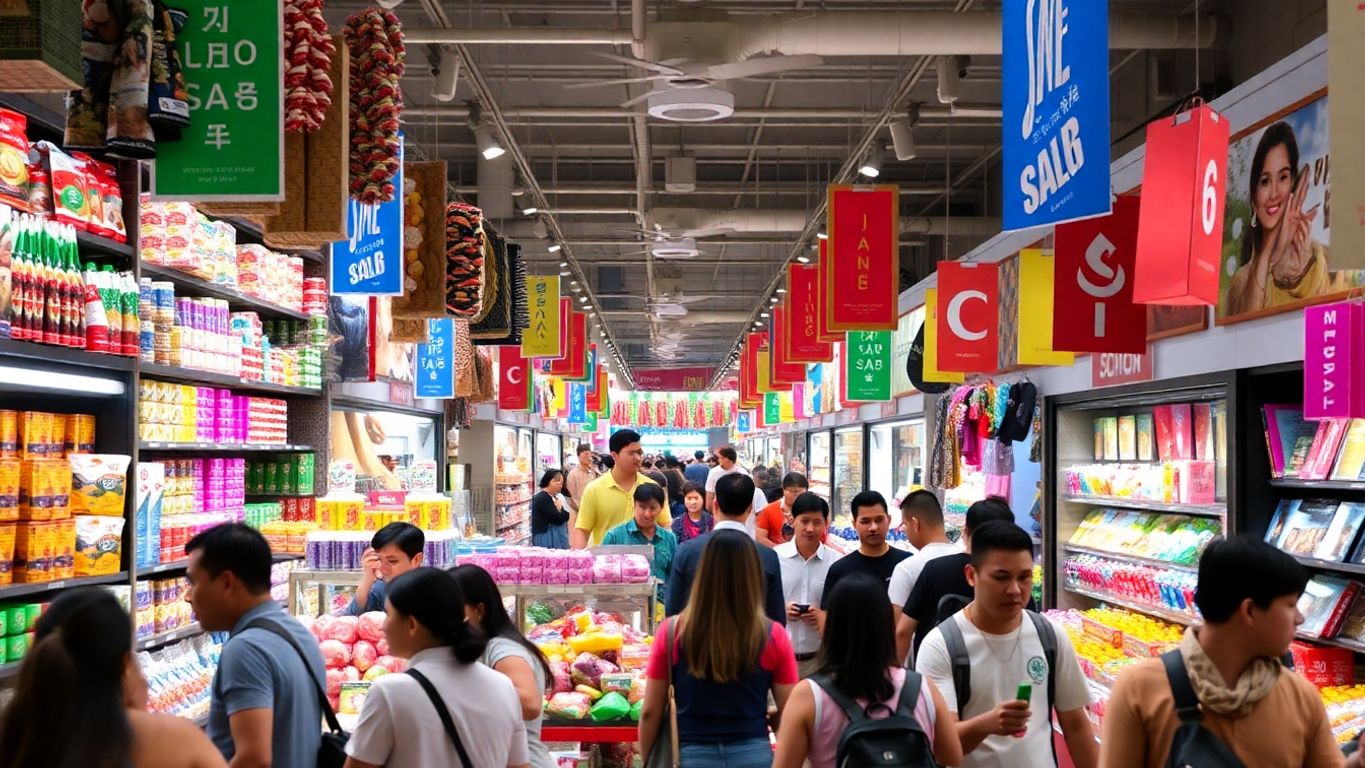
x=805 y=562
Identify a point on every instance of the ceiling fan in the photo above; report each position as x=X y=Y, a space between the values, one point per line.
x=666 y=306
x=683 y=73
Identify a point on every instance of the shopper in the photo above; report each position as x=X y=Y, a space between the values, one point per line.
x=264 y=708
x=774 y=524
x=735 y=497
x=399 y=725
x=726 y=464
x=1006 y=645
x=673 y=483
x=922 y=517
x=771 y=487
x=944 y=577
x=724 y=658
x=696 y=471
x=609 y=500
x=875 y=556
x=394 y=550
x=81 y=699
x=1248 y=593
x=643 y=530
x=582 y=473
x=695 y=520
x=550 y=512
x=508 y=652
x=805 y=562
x=857 y=659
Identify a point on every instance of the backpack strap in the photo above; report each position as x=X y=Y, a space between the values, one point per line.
x=851 y=710
x=1047 y=636
x=1186 y=702
x=274 y=628
x=909 y=698
x=956 y=646
x=444 y=713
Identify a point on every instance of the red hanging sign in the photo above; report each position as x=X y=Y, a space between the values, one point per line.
x=593 y=399
x=514 y=380
x=823 y=288
x=1180 y=228
x=690 y=379
x=748 y=374
x=968 y=317
x=863 y=270
x=801 y=340
x=575 y=365
x=1092 y=287
x=782 y=372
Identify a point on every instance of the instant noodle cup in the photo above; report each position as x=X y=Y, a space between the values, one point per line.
x=99 y=483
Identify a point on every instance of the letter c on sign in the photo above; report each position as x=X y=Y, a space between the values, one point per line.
x=955 y=316
x=514 y=374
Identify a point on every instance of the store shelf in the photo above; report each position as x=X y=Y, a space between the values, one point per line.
x=1200 y=510
x=210 y=378
x=1132 y=558
x=506 y=481
x=586 y=731
x=237 y=300
x=10 y=671
x=1337 y=642
x=92 y=245
x=1150 y=610
x=1320 y=485
x=1331 y=565
x=280 y=495
x=224 y=447
x=49 y=353
x=170 y=636
x=515 y=523
x=526 y=500
x=22 y=590
x=174 y=565
x=640 y=589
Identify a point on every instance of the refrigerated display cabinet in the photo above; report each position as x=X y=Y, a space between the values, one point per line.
x=513 y=484
x=896 y=458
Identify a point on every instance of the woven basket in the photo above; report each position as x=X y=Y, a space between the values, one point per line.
x=429 y=300
x=40 y=45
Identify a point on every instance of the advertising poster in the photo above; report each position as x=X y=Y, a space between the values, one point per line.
x=910 y=324
x=350 y=353
x=436 y=360
x=370 y=261
x=1055 y=128
x=1276 y=226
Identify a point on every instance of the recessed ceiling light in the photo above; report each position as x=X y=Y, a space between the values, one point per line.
x=564 y=273
x=582 y=299
x=563 y=263
x=762 y=314
x=773 y=300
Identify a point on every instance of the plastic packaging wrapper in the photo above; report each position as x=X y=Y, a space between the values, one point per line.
x=637 y=691
x=612 y=706
x=618 y=682
x=606 y=569
x=563 y=680
x=343 y=629
x=363 y=655
x=335 y=653
x=570 y=706
x=370 y=626
x=634 y=569
x=588 y=669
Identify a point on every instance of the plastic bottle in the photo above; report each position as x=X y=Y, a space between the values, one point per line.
x=109 y=295
x=128 y=304
x=96 y=322
x=19 y=281
x=73 y=297
x=52 y=300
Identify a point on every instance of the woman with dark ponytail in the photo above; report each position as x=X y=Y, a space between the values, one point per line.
x=81 y=699
x=400 y=725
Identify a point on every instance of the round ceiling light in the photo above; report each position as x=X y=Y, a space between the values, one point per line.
x=693 y=105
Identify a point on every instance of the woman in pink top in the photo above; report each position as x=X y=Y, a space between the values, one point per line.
x=858 y=654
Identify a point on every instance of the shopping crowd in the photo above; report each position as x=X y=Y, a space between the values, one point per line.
x=876 y=656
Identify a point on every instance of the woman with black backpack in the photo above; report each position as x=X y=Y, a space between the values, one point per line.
x=858 y=665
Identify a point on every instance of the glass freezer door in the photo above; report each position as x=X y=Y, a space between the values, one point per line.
x=848 y=472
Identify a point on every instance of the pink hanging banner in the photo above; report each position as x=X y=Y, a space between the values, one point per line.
x=1334 y=361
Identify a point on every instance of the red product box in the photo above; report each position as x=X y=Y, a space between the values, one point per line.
x=1323 y=666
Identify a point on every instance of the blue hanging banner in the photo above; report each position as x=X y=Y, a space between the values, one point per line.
x=1055 y=125
x=370 y=261
x=578 y=403
x=435 y=360
x=744 y=422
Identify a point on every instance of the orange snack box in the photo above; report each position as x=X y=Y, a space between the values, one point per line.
x=63 y=548
x=9 y=434
x=7 y=535
x=35 y=434
x=80 y=433
x=33 y=543
x=9 y=490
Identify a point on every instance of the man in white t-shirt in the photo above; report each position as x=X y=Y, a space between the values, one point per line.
x=728 y=465
x=924 y=529
x=1004 y=649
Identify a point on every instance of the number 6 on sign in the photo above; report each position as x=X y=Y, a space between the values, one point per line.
x=1185 y=163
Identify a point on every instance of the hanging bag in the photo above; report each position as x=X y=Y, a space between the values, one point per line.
x=332 y=750
x=664 y=753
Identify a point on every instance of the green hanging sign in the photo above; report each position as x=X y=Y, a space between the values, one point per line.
x=590 y=422
x=867 y=369
x=772 y=409
x=233 y=150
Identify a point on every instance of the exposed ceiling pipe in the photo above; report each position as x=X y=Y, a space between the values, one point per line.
x=795 y=220
x=518 y=36
x=799 y=152
x=692 y=318
x=710 y=188
x=960 y=111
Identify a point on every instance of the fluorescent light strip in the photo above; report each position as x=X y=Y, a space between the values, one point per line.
x=38 y=378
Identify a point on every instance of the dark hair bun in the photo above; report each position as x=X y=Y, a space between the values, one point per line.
x=469 y=647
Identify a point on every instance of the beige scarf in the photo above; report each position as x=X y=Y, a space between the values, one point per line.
x=1255 y=684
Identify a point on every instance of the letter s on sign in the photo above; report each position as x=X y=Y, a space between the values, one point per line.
x=955 y=316
x=1095 y=254
x=1208 y=209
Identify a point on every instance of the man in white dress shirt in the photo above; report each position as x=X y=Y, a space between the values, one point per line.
x=805 y=562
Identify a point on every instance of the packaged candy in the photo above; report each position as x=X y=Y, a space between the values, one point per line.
x=588 y=670
x=612 y=706
x=570 y=706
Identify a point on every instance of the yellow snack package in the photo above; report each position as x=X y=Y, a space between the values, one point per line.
x=98 y=544
x=7 y=535
x=32 y=552
x=9 y=490
x=99 y=483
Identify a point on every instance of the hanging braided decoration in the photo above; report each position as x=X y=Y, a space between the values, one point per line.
x=375 y=40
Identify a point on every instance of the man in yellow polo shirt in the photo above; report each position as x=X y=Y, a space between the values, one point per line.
x=609 y=500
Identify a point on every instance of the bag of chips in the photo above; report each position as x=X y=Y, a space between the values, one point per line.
x=99 y=483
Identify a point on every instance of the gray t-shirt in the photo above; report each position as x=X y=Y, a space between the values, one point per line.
x=260 y=670
x=500 y=648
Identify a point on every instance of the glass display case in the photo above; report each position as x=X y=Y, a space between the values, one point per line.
x=896 y=458
x=821 y=457
x=549 y=453
x=848 y=471
x=513 y=485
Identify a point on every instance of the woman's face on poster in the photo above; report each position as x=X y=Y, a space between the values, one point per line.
x=1273 y=188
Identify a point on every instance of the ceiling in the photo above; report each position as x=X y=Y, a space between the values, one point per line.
x=597 y=171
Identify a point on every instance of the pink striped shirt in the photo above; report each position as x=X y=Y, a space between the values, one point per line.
x=830 y=720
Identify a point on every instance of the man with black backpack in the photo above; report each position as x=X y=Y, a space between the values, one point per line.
x=1223 y=700
x=1004 y=669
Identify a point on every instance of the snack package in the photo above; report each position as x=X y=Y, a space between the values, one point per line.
x=7 y=536
x=67 y=175
x=637 y=690
x=352 y=697
x=617 y=681
x=570 y=706
x=9 y=490
x=588 y=670
x=635 y=709
x=612 y=706
x=99 y=483
x=563 y=681
x=14 y=176
x=99 y=545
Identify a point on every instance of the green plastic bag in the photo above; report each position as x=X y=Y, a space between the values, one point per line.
x=612 y=706
x=635 y=710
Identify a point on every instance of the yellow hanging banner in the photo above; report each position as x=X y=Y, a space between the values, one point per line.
x=765 y=384
x=1035 y=323
x=541 y=338
x=561 y=398
x=931 y=371
x=786 y=407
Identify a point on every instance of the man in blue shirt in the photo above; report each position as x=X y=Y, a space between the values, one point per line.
x=697 y=471
x=643 y=529
x=264 y=708
x=395 y=549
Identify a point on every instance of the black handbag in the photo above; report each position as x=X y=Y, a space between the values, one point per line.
x=444 y=713
x=1193 y=745
x=332 y=750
